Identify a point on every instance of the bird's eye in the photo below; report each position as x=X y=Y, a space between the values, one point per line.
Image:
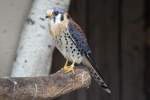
x=56 y=13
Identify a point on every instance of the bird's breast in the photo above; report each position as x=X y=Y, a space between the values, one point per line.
x=67 y=47
x=56 y=30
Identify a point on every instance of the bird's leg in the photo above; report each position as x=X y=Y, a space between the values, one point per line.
x=70 y=68
x=66 y=67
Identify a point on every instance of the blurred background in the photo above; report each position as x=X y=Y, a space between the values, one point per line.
x=118 y=33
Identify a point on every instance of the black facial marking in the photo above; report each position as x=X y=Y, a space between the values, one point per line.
x=54 y=19
x=55 y=13
x=62 y=17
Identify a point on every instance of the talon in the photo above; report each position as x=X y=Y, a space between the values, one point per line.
x=67 y=68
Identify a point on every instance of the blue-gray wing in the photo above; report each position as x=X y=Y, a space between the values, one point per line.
x=80 y=41
x=78 y=37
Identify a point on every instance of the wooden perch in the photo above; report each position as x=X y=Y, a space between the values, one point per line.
x=45 y=87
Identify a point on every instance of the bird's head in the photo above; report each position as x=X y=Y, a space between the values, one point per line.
x=57 y=15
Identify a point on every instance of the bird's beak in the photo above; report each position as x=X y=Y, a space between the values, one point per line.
x=49 y=14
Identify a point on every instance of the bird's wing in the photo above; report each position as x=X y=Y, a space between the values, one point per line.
x=79 y=39
x=78 y=36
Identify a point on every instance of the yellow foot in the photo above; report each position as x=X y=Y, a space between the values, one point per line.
x=68 y=69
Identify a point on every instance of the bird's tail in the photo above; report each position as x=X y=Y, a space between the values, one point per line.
x=98 y=78
x=96 y=75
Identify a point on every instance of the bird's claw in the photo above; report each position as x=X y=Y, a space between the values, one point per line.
x=68 y=69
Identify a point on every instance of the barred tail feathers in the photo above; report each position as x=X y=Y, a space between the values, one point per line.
x=98 y=78
x=91 y=65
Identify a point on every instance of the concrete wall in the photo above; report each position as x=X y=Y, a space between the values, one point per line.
x=12 y=16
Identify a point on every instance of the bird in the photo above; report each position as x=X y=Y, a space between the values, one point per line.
x=71 y=41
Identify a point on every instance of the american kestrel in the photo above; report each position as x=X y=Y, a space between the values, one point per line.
x=71 y=42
